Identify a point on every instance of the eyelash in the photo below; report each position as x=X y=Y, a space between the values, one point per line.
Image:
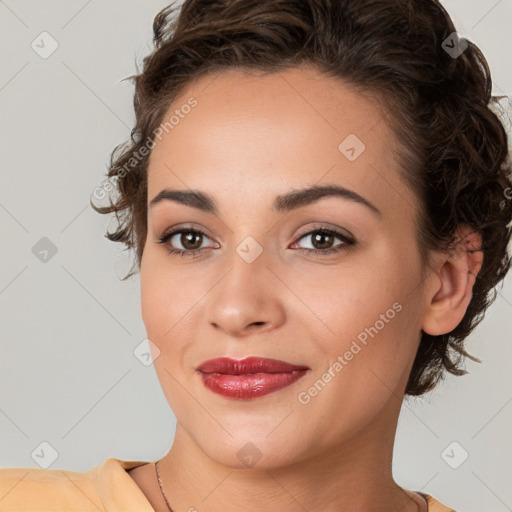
x=347 y=242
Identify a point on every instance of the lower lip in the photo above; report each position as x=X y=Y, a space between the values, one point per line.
x=246 y=387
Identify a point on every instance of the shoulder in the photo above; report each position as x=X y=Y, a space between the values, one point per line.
x=32 y=489
x=50 y=489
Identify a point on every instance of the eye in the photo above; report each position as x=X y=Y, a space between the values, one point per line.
x=322 y=241
x=188 y=237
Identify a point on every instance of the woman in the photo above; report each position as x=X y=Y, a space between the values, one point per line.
x=316 y=193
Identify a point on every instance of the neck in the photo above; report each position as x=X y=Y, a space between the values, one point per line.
x=354 y=475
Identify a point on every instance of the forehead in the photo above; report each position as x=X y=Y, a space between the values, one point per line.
x=266 y=133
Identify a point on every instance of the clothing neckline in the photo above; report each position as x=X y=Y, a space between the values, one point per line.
x=110 y=479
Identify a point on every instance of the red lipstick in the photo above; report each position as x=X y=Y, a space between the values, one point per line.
x=248 y=378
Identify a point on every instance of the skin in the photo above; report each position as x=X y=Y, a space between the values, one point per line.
x=249 y=139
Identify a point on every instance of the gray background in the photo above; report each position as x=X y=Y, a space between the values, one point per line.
x=69 y=325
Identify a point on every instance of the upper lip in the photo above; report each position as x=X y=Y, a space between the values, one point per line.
x=247 y=365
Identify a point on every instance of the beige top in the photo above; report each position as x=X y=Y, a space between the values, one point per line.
x=107 y=487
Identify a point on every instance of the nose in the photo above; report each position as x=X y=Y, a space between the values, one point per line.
x=246 y=299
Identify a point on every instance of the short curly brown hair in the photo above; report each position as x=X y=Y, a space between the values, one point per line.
x=435 y=85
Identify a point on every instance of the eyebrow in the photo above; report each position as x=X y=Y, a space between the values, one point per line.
x=282 y=203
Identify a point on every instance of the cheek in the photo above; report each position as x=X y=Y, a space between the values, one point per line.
x=149 y=292
x=349 y=297
x=163 y=315
x=371 y=312
x=157 y=292
x=169 y=304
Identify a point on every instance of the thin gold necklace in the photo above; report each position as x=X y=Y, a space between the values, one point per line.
x=161 y=488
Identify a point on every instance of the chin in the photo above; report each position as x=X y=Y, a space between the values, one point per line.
x=249 y=449
x=254 y=457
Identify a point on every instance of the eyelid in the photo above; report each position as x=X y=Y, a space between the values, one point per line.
x=187 y=226
x=327 y=227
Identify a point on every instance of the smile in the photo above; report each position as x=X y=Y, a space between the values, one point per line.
x=248 y=378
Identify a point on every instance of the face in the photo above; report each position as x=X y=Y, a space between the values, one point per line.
x=328 y=282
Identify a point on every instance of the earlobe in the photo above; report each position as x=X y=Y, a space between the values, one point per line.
x=449 y=296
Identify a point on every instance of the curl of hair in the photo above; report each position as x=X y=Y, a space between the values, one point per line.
x=453 y=147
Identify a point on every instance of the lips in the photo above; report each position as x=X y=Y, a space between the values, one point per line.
x=248 y=365
x=248 y=378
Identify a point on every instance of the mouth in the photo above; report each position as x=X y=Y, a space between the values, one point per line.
x=250 y=377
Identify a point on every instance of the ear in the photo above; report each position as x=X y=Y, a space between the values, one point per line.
x=452 y=288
